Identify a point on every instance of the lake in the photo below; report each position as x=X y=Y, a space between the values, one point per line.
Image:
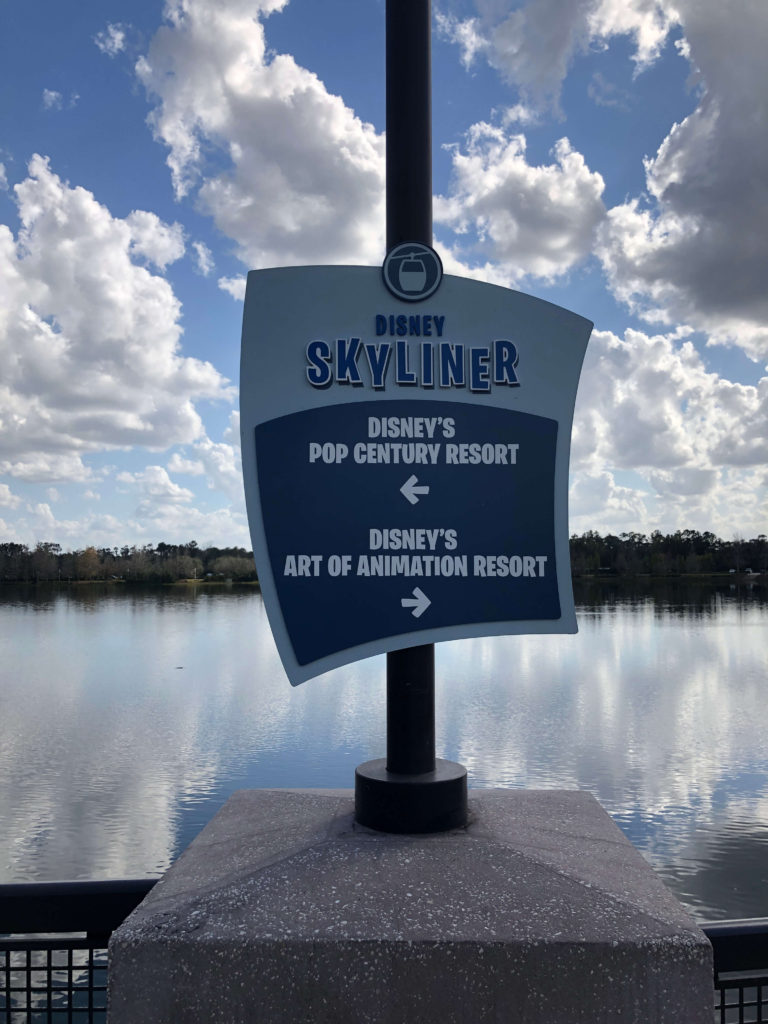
x=128 y=716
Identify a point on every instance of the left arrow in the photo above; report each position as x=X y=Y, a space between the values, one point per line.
x=419 y=602
x=410 y=491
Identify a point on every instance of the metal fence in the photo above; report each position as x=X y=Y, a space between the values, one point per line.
x=53 y=948
x=54 y=935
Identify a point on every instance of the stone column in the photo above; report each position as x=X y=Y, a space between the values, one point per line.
x=283 y=910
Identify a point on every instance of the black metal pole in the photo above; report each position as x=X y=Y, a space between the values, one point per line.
x=411 y=672
x=411 y=710
x=410 y=791
x=409 y=122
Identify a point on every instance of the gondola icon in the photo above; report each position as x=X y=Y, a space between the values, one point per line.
x=413 y=274
x=412 y=271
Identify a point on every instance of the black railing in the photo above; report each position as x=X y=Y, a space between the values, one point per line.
x=54 y=935
x=741 y=969
x=53 y=948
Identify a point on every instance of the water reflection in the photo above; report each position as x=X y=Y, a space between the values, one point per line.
x=127 y=717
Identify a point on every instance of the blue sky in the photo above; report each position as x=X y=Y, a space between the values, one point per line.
x=607 y=155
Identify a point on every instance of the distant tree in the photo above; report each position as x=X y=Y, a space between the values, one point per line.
x=45 y=561
x=87 y=564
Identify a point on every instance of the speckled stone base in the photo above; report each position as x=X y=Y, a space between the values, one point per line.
x=285 y=910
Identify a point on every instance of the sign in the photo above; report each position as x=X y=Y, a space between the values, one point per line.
x=405 y=459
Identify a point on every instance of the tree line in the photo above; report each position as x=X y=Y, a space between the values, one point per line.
x=628 y=554
x=665 y=554
x=161 y=563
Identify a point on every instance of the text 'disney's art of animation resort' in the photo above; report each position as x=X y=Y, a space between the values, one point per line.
x=405 y=444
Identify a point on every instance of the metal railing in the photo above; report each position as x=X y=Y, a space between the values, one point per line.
x=741 y=969
x=54 y=935
x=53 y=948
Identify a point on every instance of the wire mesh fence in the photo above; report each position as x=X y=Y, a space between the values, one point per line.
x=58 y=979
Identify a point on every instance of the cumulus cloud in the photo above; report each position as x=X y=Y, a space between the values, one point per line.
x=52 y=100
x=221 y=464
x=154 y=484
x=533 y=46
x=111 y=40
x=234 y=286
x=89 y=339
x=304 y=176
x=529 y=220
x=648 y=406
x=203 y=258
x=177 y=523
x=7 y=498
x=218 y=461
x=178 y=464
x=153 y=240
x=695 y=248
x=597 y=501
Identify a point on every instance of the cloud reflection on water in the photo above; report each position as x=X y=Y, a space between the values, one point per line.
x=128 y=717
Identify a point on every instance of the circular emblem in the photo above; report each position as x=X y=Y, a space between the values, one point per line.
x=412 y=271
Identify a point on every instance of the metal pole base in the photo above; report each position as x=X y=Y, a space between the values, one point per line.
x=433 y=801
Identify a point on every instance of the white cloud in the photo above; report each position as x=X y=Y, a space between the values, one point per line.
x=39 y=466
x=90 y=495
x=696 y=248
x=7 y=498
x=467 y=33
x=178 y=523
x=153 y=484
x=38 y=523
x=530 y=220
x=111 y=40
x=155 y=241
x=696 y=442
x=235 y=286
x=3 y=179
x=218 y=461
x=222 y=466
x=648 y=22
x=53 y=495
x=607 y=94
x=89 y=340
x=203 y=258
x=534 y=45
x=192 y=467
x=52 y=100
x=596 y=499
x=305 y=181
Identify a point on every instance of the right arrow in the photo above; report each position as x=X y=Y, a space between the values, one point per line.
x=419 y=602
x=411 y=491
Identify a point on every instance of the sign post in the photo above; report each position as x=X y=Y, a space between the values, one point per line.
x=405 y=440
x=410 y=671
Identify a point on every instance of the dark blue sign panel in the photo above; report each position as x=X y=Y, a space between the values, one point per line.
x=405 y=441
x=379 y=515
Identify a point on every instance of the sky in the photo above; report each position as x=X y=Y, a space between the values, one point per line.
x=610 y=156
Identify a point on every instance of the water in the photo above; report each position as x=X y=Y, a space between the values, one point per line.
x=127 y=717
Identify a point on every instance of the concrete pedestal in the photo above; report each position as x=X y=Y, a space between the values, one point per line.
x=283 y=910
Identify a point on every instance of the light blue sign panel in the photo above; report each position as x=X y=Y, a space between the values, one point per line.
x=405 y=464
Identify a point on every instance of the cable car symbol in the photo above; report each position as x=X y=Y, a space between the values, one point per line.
x=412 y=271
x=413 y=274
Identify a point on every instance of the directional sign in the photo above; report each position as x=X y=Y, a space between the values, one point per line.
x=405 y=463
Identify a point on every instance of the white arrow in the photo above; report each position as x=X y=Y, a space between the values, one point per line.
x=411 y=491
x=419 y=602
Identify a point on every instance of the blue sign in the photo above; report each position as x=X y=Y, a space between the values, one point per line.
x=405 y=464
